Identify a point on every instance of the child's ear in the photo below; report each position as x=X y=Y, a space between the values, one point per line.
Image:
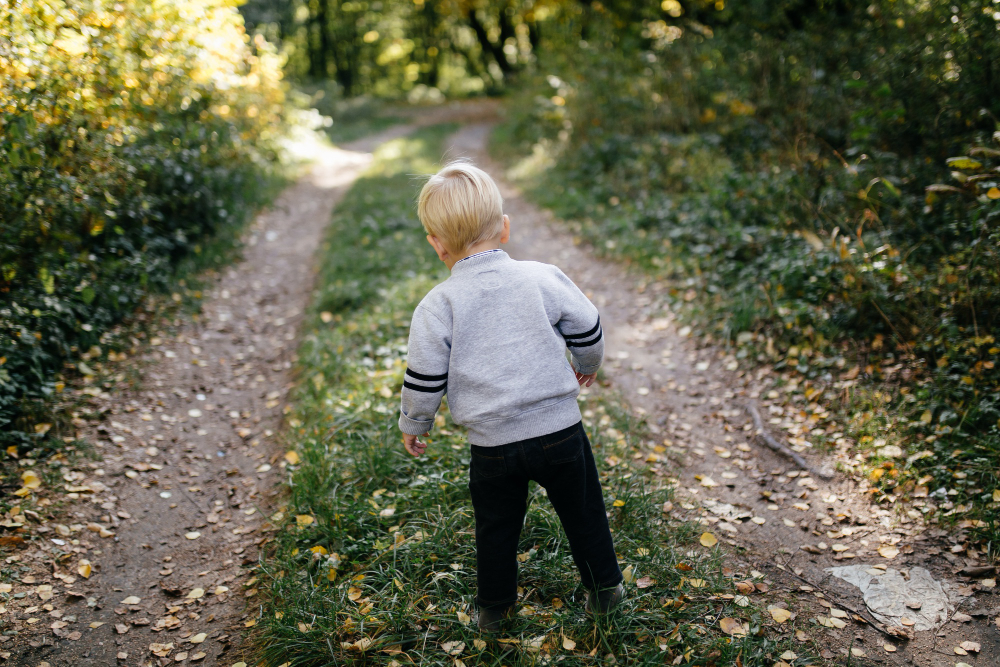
x=505 y=234
x=439 y=248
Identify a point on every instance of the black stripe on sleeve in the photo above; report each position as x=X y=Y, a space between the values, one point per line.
x=426 y=378
x=586 y=343
x=430 y=390
x=585 y=335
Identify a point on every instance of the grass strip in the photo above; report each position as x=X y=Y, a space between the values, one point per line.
x=373 y=558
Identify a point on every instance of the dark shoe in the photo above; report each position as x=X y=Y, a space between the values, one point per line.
x=604 y=601
x=491 y=619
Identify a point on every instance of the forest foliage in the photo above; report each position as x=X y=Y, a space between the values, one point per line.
x=821 y=183
x=423 y=49
x=130 y=131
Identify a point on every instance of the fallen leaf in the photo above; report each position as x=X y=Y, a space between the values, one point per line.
x=464 y=618
x=199 y=638
x=161 y=650
x=779 y=615
x=645 y=582
x=618 y=503
x=971 y=646
x=888 y=551
x=453 y=648
x=84 y=569
x=354 y=593
x=193 y=535
x=196 y=593
x=732 y=627
x=708 y=540
x=30 y=480
x=292 y=457
x=132 y=599
x=568 y=643
x=479 y=644
x=304 y=520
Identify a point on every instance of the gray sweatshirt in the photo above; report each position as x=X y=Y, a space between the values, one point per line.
x=494 y=336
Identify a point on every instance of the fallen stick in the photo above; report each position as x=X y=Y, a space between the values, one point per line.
x=779 y=447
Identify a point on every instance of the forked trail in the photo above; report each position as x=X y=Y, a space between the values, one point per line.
x=191 y=462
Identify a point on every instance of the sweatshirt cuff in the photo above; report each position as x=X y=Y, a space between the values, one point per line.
x=414 y=427
x=585 y=370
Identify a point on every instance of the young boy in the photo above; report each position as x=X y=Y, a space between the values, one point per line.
x=494 y=337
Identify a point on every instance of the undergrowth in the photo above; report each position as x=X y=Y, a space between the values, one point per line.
x=372 y=560
x=790 y=222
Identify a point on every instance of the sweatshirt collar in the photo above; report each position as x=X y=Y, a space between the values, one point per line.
x=479 y=261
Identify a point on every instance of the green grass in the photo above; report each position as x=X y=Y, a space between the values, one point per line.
x=373 y=558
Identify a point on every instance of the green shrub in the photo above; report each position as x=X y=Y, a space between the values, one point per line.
x=784 y=175
x=129 y=132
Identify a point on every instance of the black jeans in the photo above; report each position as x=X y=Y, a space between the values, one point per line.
x=498 y=479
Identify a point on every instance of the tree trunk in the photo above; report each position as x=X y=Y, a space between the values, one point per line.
x=488 y=46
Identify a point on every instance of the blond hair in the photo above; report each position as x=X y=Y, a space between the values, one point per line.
x=461 y=206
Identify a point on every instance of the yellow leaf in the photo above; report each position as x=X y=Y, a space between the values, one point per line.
x=30 y=480
x=319 y=549
x=779 y=615
x=42 y=429
x=464 y=618
x=708 y=540
x=292 y=457
x=927 y=417
x=479 y=644
x=628 y=574
x=196 y=593
x=12 y=451
x=84 y=569
x=993 y=193
x=303 y=520
x=331 y=574
x=618 y=503
x=199 y=638
x=697 y=583
x=996 y=495
x=353 y=593
x=568 y=643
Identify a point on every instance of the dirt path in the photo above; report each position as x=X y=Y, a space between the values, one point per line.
x=190 y=463
x=787 y=524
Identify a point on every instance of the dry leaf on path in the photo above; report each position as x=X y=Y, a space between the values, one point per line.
x=779 y=615
x=888 y=551
x=708 y=540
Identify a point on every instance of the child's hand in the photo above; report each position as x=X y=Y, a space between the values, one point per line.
x=413 y=446
x=586 y=380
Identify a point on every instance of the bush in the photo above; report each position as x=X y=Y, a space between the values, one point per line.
x=785 y=175
x=129 y=132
